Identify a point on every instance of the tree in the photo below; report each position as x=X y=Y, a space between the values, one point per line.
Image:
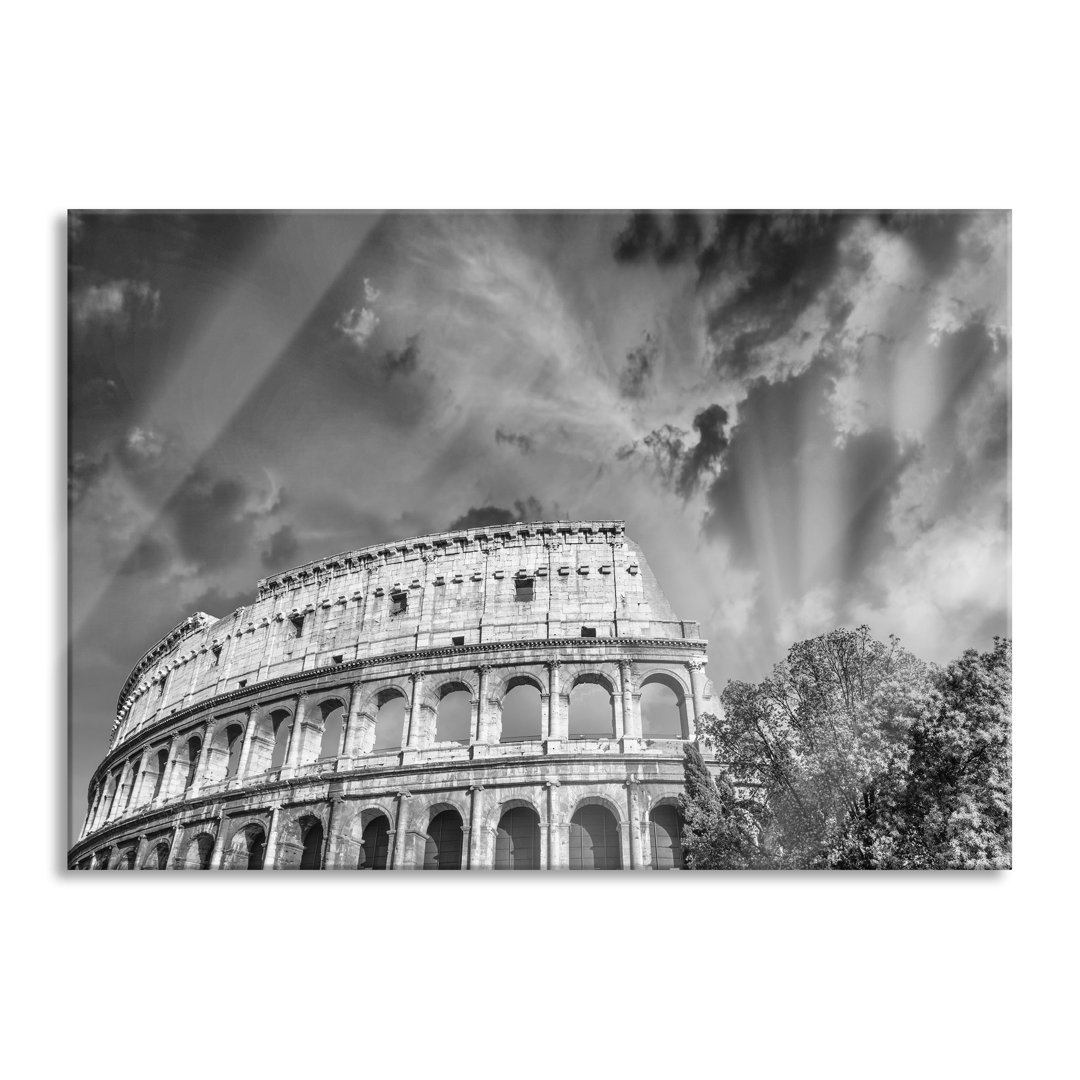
x=719 y=831
x=955 y=810
x=864 y=758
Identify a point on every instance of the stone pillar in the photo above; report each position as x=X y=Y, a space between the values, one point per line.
x=175 y=748
x=631 y=785
x=475 y=827
x=401 y=829
x=270 y=854
x=218 y=853
x=296 y=736
x=245 y=749
x=554 y=860
x=352 y=734
x=139 y=780
x=333 y=823
x=172 y=862
x=91 y=813
x=631 y=717
x=413 y=740
x=556 y=722
x=481 y=733
x=204 y=756
x=697 y=686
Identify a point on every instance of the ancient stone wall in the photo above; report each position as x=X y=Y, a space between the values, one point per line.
x=364 y=696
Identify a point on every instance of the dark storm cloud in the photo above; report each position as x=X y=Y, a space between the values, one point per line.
x=934 y=236
x=665 y=238
x=640 y=364
x=783 y=472
x=712 y=441
x=479 y=516
x=214 y=518
x=405 y=361
x=149 y=556
x=282 y=550
x=511 y=438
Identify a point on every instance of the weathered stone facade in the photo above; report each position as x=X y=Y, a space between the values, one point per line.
x=315 y=728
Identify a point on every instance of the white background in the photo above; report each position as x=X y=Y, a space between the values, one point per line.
x=557 y=105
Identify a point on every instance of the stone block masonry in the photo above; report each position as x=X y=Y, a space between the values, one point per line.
x=513 y=698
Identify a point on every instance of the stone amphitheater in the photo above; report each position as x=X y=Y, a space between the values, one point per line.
x=514 y=697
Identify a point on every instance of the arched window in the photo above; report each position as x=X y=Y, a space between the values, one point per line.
x=162 y=761
x=248 y=848
x=390 y=720
x=376 y=840
x=665 y=837
x=333 y=714
x=158 y=859
x=114 y=786
x=592 y=710
x=454 y=720
x=517 y=841
x=594 y=840
x=234 y=741
x=283 y=724
x=311 y=836
x=126 y=861
x=521 y=713
x=443 y=848
x=663 y=709
x=199 y=850
x=194 y=746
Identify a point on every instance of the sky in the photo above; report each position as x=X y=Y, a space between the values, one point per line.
x=804 y=419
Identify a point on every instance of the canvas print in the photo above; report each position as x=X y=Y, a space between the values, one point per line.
x=645 y=540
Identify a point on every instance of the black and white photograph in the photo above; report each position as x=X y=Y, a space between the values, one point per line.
x=574 y=438
x=538 y=541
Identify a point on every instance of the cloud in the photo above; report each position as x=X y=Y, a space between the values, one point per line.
x=282 y=550
x=640 y=364
x=665 y=238
x=117 y=304
x=478 y=517
x=359 y=323
x=522 y=442
x=709 y=424
x=404 y=362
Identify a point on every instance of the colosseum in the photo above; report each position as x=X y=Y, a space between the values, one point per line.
x=493 y=698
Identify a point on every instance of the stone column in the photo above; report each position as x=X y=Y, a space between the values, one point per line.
x=554 y=861
x=413 y=741
x=697 y=686
x=481 y=734
x=172 y=862
x=631 y=718
x=475 y=826
x=204 y=756
x=175 y=747
x=270 y=853
x=296 y=736
x=218 y=853
x=139 y=780
x=631 y=785
x=91 y=813
x=352 y=734
x=555 y=724
x=245 y=749
x=401 y=828
x=333 y=823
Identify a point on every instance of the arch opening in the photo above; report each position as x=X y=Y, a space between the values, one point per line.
x=594 y=839
x=333 y=722
x=453 y=722
x=663 y=709
x=517 y=840
x=444 y=842
x=522 y=713
x=665 y=838
x=390 y=720
x=592 y=710
x=375 y=853
x=311 y=836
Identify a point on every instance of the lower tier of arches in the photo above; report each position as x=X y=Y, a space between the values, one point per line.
x=602 y=815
